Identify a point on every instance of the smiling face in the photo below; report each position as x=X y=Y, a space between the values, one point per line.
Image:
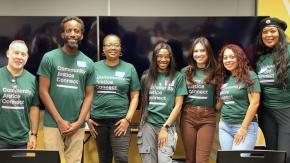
x=72 y=34
x=200 y=55
x=230 y=61
x=112 y=47
x=270 y=36
x=17 y=55
x=163 y=60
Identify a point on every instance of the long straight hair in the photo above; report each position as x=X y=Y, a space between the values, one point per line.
x=210 y=63
x=150 y=76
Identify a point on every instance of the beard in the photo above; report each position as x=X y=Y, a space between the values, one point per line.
x=72 y=45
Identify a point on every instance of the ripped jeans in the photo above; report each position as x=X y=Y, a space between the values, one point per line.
x=147 y=144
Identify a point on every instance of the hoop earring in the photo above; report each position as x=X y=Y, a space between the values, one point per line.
x=121 y=54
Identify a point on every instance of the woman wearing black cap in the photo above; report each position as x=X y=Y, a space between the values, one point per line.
x=273 y=69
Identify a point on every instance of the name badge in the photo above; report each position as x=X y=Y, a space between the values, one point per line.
x=120 y=74
x=169 y=84
x=81 y=64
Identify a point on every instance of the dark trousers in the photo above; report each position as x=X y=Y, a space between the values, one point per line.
x=110 y=145
x=197 y=130
x=5 y=145
x=275 y=124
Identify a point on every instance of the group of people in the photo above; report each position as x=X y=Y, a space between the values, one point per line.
x=105 y=95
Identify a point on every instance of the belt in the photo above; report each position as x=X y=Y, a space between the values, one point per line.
x=199 y=107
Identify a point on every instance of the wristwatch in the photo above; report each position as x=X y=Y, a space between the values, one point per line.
x=33 y=134
x=165 y=126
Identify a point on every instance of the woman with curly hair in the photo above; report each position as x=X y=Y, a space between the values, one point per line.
x=163 y=89
x=272 y=67
x=238 y=93
x=198 y=120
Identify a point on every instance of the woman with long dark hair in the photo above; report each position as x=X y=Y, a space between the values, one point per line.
x=238 y=92
x=198 y=120
x=163 y=89
x=272 y=67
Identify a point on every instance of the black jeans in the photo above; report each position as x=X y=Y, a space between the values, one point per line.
x=110 y=145
x=275 y=124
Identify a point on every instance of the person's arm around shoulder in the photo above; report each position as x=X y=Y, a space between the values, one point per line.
x=44 y=85
x=34 y=115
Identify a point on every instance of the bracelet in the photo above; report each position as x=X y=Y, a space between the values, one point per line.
x=127 y=120
x=33 y=134
x=166 y=126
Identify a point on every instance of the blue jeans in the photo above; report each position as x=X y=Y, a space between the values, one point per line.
x=227 y=133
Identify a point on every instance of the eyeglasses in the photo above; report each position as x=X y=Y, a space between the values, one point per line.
x=159 y=56
x=112 y=45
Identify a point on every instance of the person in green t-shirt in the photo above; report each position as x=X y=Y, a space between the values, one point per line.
x=66 y=87
x=112 y=111
x=238 y=94
x=198 y=120
x=163 y=90
x=19 y=105
x=273 y=69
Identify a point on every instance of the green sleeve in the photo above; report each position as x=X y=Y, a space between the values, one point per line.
x=91 y=75
x=35 y=100
x=134 y=85
x=256 y=86
x=45 y=67
x=181 y=86
x=183 y=70
x=142 y=81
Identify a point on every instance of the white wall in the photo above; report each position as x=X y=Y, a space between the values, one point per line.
x=127 y=7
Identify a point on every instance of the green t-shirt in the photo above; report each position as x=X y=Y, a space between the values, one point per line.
x=235 y=99
x=16 y=99
x=162 y=97
x=114 y=84
x=69 y=76
x=273 y=97
x=200 y=93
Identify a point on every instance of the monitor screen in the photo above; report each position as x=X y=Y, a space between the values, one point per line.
x=42 y=34
x=139 y=34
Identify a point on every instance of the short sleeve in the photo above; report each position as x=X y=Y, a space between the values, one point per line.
x=91 y=75
x=134 y=85
x=45 y=67
x=181 y=85
x=256 y=84
x=35 y=100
